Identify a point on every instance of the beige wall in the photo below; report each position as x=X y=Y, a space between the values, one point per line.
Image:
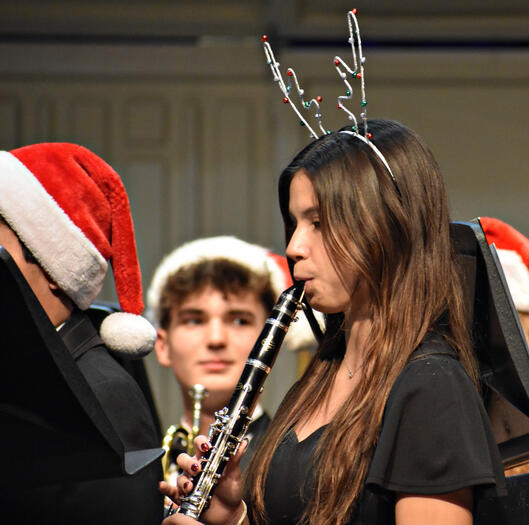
x=199 y=134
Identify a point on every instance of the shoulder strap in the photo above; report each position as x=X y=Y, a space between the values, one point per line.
x=79 y=335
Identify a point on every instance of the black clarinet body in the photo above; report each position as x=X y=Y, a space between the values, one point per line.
x=231 y=423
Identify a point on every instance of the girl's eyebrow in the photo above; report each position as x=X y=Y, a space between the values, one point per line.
x=308 y=213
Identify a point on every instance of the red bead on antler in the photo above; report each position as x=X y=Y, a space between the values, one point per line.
x=289 y=73
x=354 y=11
x=285 y=100
x=264 y=38
x=369 y=136
x=319 y=99
x=336 y=62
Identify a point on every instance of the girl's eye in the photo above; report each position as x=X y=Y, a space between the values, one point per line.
x=316 y=224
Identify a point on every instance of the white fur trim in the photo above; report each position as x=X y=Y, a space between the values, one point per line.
x=300 y=335
x=61 y=248
x=257 y=412
x=252 y=256
x=128 y=334
x=517 y=276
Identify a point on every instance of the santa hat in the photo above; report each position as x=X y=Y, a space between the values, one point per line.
x=513 y=251
x=70 y=209
x=251 y=256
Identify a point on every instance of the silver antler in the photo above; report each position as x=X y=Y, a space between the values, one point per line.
x=287 y=89
x=356 y=73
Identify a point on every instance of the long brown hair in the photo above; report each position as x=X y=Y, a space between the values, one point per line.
x=395 y=237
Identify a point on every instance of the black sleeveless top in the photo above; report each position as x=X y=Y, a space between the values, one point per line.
x=435 y=438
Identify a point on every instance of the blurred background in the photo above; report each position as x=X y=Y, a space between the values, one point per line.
x=177 y=97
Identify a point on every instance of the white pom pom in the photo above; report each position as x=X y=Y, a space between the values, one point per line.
x=127 y=334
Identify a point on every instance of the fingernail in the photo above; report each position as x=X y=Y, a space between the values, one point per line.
x=204 y=447
x=195 y=467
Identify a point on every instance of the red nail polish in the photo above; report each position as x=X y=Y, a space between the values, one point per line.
x=195 y=467
x=204 y=447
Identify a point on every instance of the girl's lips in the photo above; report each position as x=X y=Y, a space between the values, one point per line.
x=305 y=279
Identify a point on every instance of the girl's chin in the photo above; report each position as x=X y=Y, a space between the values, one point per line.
x=324 y=304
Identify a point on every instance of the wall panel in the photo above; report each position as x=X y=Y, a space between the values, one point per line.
x=201 y=158
x=10 y=119
x=88 y=121
x=226 y=189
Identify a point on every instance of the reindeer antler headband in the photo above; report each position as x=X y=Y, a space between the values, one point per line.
x=357 y=73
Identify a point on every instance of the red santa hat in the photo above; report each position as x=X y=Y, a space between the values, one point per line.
x=251 y=256
x=513 y=251
x=70 y=209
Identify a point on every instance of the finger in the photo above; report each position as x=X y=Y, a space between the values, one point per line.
x=179 y=519
x=243 y=447
x=233 y=465
x=184 y=483
x=171 y=491
x=190 y=465
x=202 y=445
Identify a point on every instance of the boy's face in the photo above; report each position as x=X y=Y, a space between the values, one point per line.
x=43 y=287
x=209 y=338
x=10 y=242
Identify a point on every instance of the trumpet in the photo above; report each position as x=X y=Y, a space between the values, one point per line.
x=180 y=439
x=231 y=423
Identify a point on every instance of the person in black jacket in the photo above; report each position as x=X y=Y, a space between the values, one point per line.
x=64 y=217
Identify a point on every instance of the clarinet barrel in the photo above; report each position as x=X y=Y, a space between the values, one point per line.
x=231 y=423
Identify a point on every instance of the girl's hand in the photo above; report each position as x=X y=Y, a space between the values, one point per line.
x=225 y=507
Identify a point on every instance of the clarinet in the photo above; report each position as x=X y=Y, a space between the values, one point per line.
x=231 y=423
